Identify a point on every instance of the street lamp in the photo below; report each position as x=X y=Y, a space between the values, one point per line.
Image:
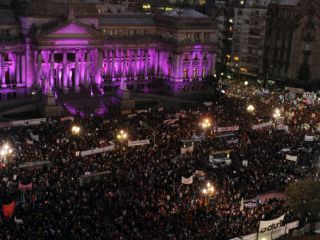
x=250 y=108
x=122 y=135
x=246 y=83
x=277 y=113
x=208 y=191
x=75 y=130
x=206 y=123
x=5 y=151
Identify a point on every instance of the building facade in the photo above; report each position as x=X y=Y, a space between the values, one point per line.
x=249 y=25
x=292 y=42
x=74 y=48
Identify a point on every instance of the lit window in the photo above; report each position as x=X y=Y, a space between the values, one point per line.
x=236 y=58
x=230 y=20
x=195 y=72
x=146 y=6
x=204 y=72
x=185 y=73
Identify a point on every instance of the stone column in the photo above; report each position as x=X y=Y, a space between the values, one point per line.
x=3 y=83
x=18 y=68
x=23 y=69
x=98 y=68
x=65 y=73
x=39 y=70
x=88 y=69
x=30 y=65
x=51 y=69
x=145 y=64
x=77 y=72
x=82 y=67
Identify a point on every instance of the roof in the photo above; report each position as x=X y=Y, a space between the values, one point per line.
x=128 y=19
x=185 y=13
x=288 y=2
x=7 y=17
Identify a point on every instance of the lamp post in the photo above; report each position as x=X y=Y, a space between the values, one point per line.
x=206 y=124
x=208 y=192
x=250 y=108
x=5 y=151
x=75 y=130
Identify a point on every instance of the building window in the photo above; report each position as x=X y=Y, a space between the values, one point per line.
x=195 y=72
x=185 y=73
x=196 y=36
x=186 y=57
x=169 y=72
x=204 y=72
x=204 y=56
x=187 y=36
x=206 y=35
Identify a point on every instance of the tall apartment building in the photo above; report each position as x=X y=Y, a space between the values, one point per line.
x=292 y=42
x=248 y=34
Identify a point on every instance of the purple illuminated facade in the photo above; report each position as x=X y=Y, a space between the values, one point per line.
x=170 y=53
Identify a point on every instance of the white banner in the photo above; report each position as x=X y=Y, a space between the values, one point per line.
x=292 y=225
x=282 y=127
x=187 y=180
x=208 y=104
x=262 y=125
x=291 y=157
x=18 y=123
x=171 y=121
x=245 y=163
x=272 y=225
x=67 y=119
x=249 y=237
x=36 y=121
x=138 y=143
x=278 y=232
x=228 y=129
x=308 y=138
x=97 y=150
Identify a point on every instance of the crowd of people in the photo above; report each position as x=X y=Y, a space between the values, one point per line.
x=140 y=194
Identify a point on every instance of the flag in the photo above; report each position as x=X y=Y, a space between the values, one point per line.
x=8 y=209
x=187 y=180
x=291 y=157
x=241 y=205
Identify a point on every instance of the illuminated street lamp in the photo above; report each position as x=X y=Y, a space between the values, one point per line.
x=208 y=192
x=75 y=130
x=277 y=113
x=250 y=108
x=5 y=151
x=206 y=123
x=246 y=83
x=122 y=135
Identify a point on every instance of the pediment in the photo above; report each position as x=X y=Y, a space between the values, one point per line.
x=71 y=29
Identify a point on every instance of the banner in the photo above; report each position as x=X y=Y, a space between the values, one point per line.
x=228 y=129
x=245 y=163
x=171 y=121
x=18 y=123
x=36 y=121
x=272 y=225
x=138 y=143
x=308 y=138
x=208 y=104
x=63 y=119
x=8 y=209
x=5 y=124
x=249 y=237
x=262 y=125
x=29 y=142
x=97 y=150
x=291 y=157
x=278 y=232
x=292 y=225
x=187 y=180
x=282 y=127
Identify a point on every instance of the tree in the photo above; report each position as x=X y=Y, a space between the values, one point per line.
x=304 y=198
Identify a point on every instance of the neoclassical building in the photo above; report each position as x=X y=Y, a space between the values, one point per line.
x=72 y=47
x=292 y=43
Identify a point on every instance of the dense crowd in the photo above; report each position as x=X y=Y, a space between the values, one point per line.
x=142 y=197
